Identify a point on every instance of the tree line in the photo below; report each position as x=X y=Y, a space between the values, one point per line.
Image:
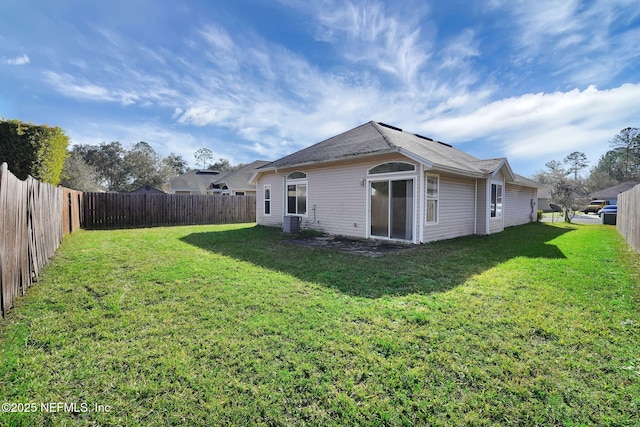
x=620 y=164
x=42 y=151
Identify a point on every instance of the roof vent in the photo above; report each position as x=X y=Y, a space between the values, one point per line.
x=389 y=126
x=423 y=137
x=445 y=144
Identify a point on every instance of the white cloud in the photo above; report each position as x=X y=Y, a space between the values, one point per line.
x=18 y=60
x=546 y=125
x=575 y=38
x=372 y=33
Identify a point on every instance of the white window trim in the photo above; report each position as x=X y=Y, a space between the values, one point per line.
x=295 y=182
x=426 y=199
x=499 y=214
x=391 y=173
x=392 y=176
x=264 y=199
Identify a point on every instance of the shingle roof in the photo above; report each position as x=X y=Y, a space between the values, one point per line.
x=374 y=138
x=612 y=192
x=196 y=180
x=238 y=179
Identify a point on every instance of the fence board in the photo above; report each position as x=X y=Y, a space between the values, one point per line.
x=30 y=232
x=628 y=218
x=34 y=217
x=125 y=210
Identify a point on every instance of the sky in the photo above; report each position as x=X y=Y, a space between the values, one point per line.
x=528 y=80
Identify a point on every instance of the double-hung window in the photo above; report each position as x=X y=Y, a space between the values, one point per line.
x=496 y=200
x=267 y=199
x=297 y=194
x=431 y=198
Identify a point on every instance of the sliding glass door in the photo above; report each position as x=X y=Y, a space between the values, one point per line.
x=392 y=208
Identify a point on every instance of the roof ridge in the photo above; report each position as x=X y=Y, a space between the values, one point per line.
x=377 y=126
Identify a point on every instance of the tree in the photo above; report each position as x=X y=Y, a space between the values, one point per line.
x=36 y=150
x=577 y=161
x=108 y=161
x=78 y=175
x=119 y=169
x=223 y=165
x=627 y=143
x=203 y=155
x=549 y=177
x=176 y=164
x=562 y=192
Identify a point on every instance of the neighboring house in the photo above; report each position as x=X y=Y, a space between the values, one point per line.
x=544 y=197
x=377 y=181
x=611 y=193
x=147 y=190
x=237 y=182
x=196 y=181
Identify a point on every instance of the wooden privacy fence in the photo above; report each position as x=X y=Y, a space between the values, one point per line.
x=628 y=218
x=123 y=210
x=34 y=216
x=30 y=232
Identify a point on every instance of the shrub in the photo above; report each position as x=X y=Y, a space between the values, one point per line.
x=36 y=150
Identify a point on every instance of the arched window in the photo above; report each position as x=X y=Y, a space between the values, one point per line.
x=392 y=167
x=297 y=175
x=297 y=194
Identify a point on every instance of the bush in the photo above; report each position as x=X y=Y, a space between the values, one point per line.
x=36 y=150
x=540 y=215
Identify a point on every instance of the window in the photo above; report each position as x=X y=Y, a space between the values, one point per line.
x=392 y=167
x=297 y=193
x=297 y=175
x=432 y=199
x=267 y=200
x=496 y=200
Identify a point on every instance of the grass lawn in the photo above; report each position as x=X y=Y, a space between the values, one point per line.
x=231 y=325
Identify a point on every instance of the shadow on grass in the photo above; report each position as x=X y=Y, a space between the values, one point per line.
x=432 y=267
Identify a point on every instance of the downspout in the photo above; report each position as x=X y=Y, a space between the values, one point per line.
x=421 y=191
x=475 y=210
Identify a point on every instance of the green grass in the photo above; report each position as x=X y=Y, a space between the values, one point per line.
x=231 y=325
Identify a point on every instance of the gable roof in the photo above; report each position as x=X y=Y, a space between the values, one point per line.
x=374 y=138
x=612 y=192
x=196 y=180
x=238 y=179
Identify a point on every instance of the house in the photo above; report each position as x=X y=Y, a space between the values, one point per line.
x=581 y=199
x=206 y=181
x=237 y=182
x=146 y=190
x=378 y=181
x=195 y=181
x=611 y=194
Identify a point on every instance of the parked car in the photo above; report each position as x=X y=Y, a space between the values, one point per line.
x=595 y=206
x=608 y=209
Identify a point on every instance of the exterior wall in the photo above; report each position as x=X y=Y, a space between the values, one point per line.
x=336 y=196
x=457 y=209
x=277 y=199
x=337 y=200
x=518 y=209
x=482 y=219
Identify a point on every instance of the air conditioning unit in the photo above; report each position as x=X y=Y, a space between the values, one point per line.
x=291 y=224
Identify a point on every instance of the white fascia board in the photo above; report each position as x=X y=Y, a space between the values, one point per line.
x=427 y=164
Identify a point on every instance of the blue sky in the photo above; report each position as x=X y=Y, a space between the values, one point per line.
x=528 y=80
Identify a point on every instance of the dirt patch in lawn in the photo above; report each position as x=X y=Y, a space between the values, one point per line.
x=372 y=248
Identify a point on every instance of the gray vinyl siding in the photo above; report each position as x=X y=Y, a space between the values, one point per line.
x=518 y=209
x=483 y=208
x=336 y=200
x=277 y=200
x=456 y=211
x=336 y=196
